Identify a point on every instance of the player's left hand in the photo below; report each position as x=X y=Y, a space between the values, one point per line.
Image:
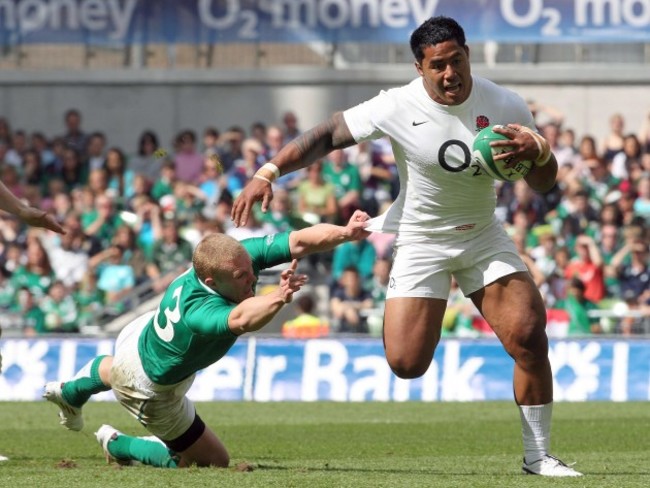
x=290 y=282
x=357 y=225
x=521 y=145
x=40 y=218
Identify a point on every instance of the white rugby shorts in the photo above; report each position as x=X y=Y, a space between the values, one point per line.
x=164 y=410
x=424 y=269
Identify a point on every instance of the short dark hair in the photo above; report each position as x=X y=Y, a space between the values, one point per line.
x=434 y=31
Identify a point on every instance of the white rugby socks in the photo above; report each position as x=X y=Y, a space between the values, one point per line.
x=536 y=430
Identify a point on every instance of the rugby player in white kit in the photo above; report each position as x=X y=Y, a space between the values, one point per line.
x=444 y=217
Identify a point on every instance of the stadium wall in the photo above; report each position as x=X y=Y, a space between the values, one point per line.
x=122 y=103
x=267 y=369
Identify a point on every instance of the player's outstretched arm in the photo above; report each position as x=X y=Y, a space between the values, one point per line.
x=254 y=313
x=325 y=237
x=302 y=151
x=30 y=215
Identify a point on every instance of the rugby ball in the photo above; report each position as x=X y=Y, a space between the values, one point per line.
x=483 y=155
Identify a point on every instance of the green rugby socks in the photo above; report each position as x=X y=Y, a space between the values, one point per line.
x=85 y=384
x=149 y=452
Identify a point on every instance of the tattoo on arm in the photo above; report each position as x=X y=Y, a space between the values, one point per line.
x=324 y=138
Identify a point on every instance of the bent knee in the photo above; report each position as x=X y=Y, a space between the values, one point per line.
x=408 y=370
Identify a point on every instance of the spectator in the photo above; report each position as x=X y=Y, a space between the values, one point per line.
x=613 y=142
x=73 y=172
x=40 y=145
x=36 y=274
x=291 y=130
x=347 y=183
x=164 y=184
x=32 y=171
x=210 y=141
x=188 y=161
x=316 y=197
x=148 y=224
x=120 y=178
x=280 y=214
x=115 y=278
x=98 y=181
x=634 y=276
x=74 y=137
x=170 y=256
x=69 y=258
x=306 y=325
x=526 y=200
x=102 y=220
x=89 y=299
x=628 y=158
x=378 y=283
x=126 y=237
x=32 y=316
x=230 y=147
x=95 y=151
x=588 y=267
x=578 y=308
x=148 y=161
x=59 y=310
x=258 y=132
x=564 y=155
x=361 y=254
x=608 y=245
x=349 y=301
x=14 y=155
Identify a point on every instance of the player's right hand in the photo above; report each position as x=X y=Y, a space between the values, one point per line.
x=255 y=190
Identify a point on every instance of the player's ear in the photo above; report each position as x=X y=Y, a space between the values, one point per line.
x=418 y=67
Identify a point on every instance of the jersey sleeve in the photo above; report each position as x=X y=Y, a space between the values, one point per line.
x=211 y=317
x=268 y=251
x=364 y=120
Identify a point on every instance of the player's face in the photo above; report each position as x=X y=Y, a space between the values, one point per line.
x=240 y=287
x=446 y=72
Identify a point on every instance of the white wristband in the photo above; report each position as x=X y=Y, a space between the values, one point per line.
x=272 y=168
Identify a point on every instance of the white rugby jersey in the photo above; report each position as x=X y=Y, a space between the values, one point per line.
x=442 y=191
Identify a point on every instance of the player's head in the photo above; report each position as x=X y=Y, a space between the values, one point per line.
x=442 y=59
x=224 y=266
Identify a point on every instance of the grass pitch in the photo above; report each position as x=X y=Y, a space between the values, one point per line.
x=339 y=445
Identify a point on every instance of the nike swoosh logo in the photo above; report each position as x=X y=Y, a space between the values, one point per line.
x=415 y=124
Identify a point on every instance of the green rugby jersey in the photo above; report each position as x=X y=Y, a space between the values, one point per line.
x=190 y=330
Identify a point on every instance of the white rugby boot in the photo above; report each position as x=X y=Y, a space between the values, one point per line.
x=70 y=416
x=104 y=435
x=549 y=466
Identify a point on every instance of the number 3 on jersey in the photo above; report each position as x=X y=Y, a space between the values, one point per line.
x=173 y=316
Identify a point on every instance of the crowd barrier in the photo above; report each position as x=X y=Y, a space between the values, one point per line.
x=347 y=369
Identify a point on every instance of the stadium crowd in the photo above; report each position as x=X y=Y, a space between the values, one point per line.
x=134 y=215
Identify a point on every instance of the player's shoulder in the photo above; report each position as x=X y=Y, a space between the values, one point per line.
x=493 y=93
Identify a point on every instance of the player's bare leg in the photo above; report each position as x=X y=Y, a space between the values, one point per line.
x=208 y=450
x=515 y=310
x=411 y=333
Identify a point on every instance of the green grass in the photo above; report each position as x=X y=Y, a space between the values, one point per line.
x=340 y=445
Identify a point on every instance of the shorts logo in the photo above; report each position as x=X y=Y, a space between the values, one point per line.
x=391 y=283
x=482 y=122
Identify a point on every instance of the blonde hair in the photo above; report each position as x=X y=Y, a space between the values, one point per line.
x=215 y=254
